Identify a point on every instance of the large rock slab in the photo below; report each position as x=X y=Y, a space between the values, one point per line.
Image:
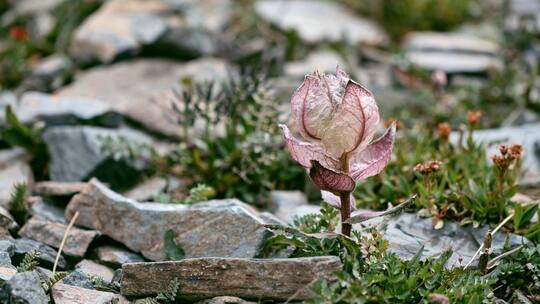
x=23 y=288
x=76 y=151
x=451 y=52
x=526 y=135
x=68 y=294
x=220 y=228
x=277 y=279
x=408 y=233
x=317 y=21
x=51 y=233
x=144 y=89
x=61 y=110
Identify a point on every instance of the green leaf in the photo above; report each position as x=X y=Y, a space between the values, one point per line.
x=174 y=251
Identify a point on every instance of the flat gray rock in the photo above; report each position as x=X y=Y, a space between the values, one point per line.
x=116 y=256
x=277 y=279
x=23 y=288
x=407 y=234
x=143 y=89
x=51 y=233
x=68 y=294
x=288 y=205
x=451 y=52
x=76 y=151
x=221 y=228
x=318 y=21
x=92 y=268
x=47 y=253
x=60 y=110
x=45 y=210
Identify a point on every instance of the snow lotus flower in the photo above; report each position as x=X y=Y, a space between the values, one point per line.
x=337 y=119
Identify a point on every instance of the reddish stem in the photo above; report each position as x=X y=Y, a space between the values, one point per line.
x=345 y=198
x=345 y=212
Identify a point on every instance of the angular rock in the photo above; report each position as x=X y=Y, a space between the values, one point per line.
x=116 y=256
x=147 y=189
x=75 y=152
x=45 y=210
x=52 y=66
x=60 y=110
x=407 y=234
x=277 y=279
x=23 y=288
x=143 y=89
x=52 y=188
x=226 y=228
x=92 y=268
x=16 y=173
x=67 y=294
x=7 y=270
x=124 y=27
x=451 y=52
x=51 y=233
x=47 y=254
x=317 y=21
x=7 y=246
x=527 y=135
x=78 y=278
x=6 y=220
x=288 y=205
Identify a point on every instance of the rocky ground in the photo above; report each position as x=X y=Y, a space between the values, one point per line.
x=123 y=65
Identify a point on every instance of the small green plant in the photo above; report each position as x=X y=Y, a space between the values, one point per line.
x=16 y=203
x=373 y=274
x=17 y=134
x=239 y=153
x=454 y=182
x=172 y=249
x=167 y=297
x=400 y=17
x=48 y=284
x=29 y=262
x=100 y=284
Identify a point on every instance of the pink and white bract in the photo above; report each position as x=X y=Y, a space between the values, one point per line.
x=337 y=119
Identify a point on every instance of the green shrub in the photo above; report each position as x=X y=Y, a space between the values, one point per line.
x=403 y=16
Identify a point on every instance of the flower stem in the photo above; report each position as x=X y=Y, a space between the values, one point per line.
x=345 y=198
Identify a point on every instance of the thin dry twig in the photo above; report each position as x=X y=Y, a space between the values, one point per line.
x=492 y=234
x=64 y=238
